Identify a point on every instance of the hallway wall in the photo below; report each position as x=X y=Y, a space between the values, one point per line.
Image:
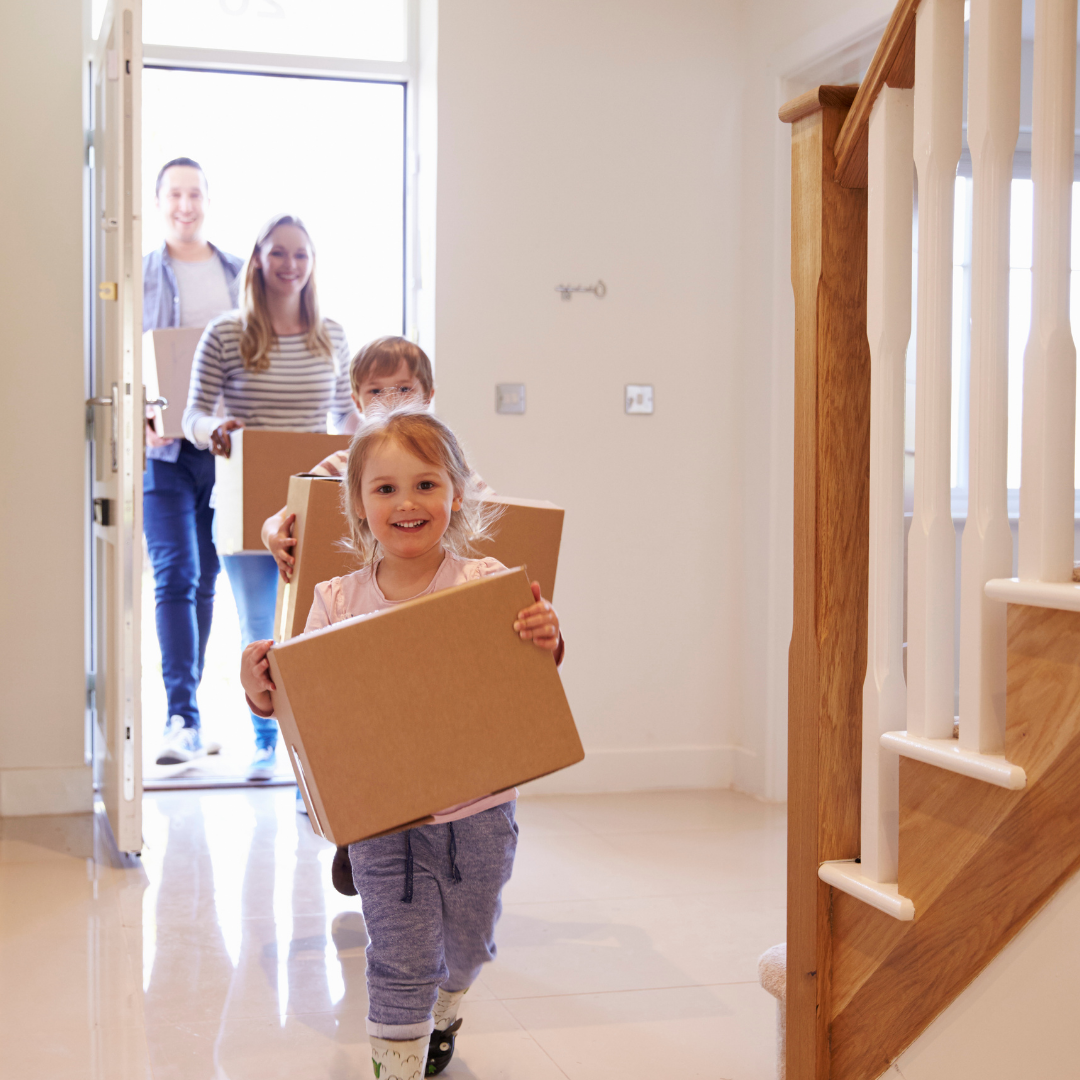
x=602 y=140
x=42 y=487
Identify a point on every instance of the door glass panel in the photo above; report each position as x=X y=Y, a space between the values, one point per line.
x=328 y=150
x=351 y=29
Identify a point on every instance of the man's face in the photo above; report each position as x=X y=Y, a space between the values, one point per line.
x=182 y=202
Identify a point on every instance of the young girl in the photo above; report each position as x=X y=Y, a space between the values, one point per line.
x=431 y=894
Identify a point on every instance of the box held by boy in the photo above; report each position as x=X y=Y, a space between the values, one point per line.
x=528 y=534
x=391 y=717
x=253 y=481
x=167 y=358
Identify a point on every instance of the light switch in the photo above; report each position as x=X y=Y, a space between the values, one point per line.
x=510 y=397
x=639 y=399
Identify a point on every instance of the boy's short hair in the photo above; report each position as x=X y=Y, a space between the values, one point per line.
x=384 y=355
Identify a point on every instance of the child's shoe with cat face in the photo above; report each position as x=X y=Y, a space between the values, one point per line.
x=394 y=1059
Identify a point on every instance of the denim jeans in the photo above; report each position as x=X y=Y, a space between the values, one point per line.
x=253 y=579
x=178 y=522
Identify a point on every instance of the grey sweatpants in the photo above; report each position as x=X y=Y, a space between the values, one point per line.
x=444 y=933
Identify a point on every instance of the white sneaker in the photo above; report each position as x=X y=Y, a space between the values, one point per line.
x=262 y=764
x=181 y=743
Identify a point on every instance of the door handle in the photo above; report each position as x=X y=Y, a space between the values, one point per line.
x=158 y=403
x=112 y=401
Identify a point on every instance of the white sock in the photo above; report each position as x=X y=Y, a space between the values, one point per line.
x=394 y=1059
x=446 y=1007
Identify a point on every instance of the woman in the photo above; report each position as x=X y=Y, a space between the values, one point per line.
x=277 y=364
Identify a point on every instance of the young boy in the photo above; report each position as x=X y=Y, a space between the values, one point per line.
x=386 y=367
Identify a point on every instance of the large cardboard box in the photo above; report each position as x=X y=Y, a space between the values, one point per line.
x=167 y=359
x=253 y=481
x=391 y=717
x=528 y=534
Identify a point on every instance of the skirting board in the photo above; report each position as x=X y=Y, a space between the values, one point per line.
x=648 y=768
x=29 y=792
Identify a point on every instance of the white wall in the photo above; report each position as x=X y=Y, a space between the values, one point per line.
x=41 y=440
x=602 y=140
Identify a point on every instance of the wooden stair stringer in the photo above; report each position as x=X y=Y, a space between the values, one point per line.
x=890 y=982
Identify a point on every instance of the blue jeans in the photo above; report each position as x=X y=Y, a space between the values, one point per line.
x=253 y=579
x=178 y=523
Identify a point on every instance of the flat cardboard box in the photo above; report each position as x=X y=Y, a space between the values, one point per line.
x=528 y=534
x=253 y=481
x=167 y=359
x=391 y=717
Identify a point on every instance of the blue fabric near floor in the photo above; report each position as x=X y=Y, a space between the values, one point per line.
x=178 y=522
x=444 y=933
x=253 y=579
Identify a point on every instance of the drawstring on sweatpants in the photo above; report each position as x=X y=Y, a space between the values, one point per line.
x=451 y=851
x=455 y=873
x=407 y=898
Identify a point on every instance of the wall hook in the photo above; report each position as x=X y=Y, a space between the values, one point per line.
x=599 y=290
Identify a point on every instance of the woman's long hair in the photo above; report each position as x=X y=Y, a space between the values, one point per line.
x=258 y=337
x=430 y=439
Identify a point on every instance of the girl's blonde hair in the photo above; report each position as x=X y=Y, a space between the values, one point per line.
x=258 y=337
x=433 y=442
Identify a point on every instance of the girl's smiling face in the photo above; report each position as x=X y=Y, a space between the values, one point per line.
x=407 y=501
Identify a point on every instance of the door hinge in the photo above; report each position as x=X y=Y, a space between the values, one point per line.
x=103 y=511
x=107 y=290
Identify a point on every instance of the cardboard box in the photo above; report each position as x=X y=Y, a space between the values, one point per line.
x=528 y=534
x=318 y=530
x=391 y=717
x=253 y=481
x=167 y=359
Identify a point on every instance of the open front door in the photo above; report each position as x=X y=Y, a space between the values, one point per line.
x=117 y=446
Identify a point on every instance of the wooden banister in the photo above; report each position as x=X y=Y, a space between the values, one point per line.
x=893 y=65
x=827 y=661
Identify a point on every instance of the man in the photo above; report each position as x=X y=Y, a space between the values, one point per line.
x=186 y=282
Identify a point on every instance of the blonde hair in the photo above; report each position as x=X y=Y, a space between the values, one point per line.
x=258 y=337
x=432 y=441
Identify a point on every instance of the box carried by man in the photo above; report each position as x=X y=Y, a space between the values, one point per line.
x=167 y=359
x=528 y=534
x=253 y=481
x=391 y=717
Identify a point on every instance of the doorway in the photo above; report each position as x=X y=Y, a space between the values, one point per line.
x=333 y=152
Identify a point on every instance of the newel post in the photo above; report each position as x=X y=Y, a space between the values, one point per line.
x=827 y=659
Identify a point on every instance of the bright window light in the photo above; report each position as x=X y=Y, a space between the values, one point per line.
x=351 y=29
x=330 y=151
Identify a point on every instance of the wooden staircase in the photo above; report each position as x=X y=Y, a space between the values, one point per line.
x=975 y=859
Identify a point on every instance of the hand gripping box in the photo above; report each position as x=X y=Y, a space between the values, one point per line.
x=253 y=481
x=167 y=359
x=391 y=717
x=528 y=534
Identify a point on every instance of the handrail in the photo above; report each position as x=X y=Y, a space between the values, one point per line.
x=819 y=97
x=893 y=65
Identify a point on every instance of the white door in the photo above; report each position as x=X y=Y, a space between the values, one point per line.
x=118 y=430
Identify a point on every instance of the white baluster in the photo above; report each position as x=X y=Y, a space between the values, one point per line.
x=939 y=70
x=888 y=327
x=993 y=125
x=1049 y=424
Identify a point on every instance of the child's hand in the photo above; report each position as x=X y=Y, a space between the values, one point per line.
x=539 y=623
x=255 y=674
x=281 y=544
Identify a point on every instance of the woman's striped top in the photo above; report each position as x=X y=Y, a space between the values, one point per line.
x=294 y=394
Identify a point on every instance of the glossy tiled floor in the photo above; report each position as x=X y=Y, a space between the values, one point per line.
x=627 y=949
